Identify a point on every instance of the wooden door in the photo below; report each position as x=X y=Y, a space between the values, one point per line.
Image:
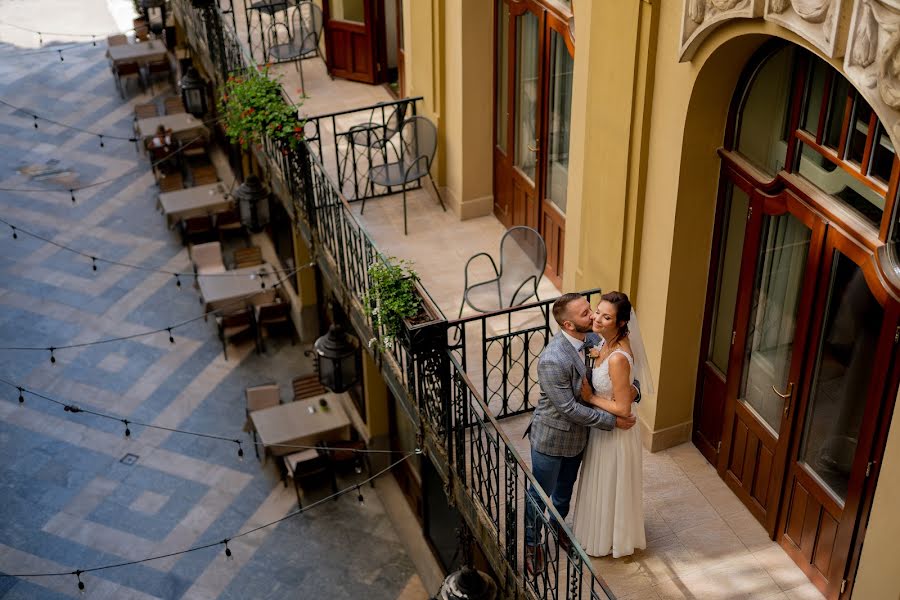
x=840 y=412
x=533 y=77
x=351 y=39
x=780 y=258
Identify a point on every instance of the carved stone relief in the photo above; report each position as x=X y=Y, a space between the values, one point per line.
x=823 y=22
x=702 y=16
x=872 y=61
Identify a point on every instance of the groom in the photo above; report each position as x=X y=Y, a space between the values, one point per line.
x=559 y=426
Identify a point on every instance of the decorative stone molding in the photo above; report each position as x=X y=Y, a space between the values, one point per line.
x=701 y=17
x=823 y=22
x=872 y=61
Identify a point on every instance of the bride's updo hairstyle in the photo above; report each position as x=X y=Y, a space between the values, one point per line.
x=623 y=312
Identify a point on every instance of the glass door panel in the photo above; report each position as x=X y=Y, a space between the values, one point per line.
x=841 y=376
x=502 y=69
x=772 y=324
x=527 y=93
x=559 y=120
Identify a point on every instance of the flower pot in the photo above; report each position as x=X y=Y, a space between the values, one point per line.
x=427 y=329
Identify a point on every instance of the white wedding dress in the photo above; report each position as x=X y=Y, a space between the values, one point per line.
x=609 y=510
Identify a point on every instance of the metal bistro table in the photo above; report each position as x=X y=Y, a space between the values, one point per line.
x=193 y=202
x=224 y=289
x=140 y=52
x=301 y=423
x=184 y=126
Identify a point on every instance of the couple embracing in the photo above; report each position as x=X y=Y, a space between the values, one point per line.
x=584 y=419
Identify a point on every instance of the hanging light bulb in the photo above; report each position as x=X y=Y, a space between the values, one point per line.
x=52 y=358
x=21 y=396
x=240 y=451
x=94 y=43
x=127 y=430
x=228 y=554
x=177 y=281
x=81 y=589
x=61 y=59
x=72 y=192
x=94 y=263
x=15 y=235
x=171 y=339
x=100 y=136
x=40 y=39
x=359 y=496
x=35 y=121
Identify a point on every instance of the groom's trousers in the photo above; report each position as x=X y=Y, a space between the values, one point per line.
x=556 y=474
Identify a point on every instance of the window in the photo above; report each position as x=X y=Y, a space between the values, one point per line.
x=833 y=139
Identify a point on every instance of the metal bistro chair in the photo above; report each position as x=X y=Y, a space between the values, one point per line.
x=298 y=39
x=523 y=256
x=417 y=145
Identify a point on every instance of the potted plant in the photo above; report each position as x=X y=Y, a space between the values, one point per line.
x=396 y=302
x=252 y=106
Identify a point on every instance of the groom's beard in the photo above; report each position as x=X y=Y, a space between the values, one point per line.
x=586 y=329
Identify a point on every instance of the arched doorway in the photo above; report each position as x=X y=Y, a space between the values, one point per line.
x=533 y=90
x=798 y=373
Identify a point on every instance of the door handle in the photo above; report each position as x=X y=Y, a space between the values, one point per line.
x=536 y=146
x=786 y=396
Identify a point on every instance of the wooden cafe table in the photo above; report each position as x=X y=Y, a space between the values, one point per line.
x=301 y=423
x=193 y=202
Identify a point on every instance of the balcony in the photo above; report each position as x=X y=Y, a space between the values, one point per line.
x=474 y=389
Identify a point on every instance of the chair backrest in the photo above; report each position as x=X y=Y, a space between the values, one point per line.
x=308 y=386
x=395 y=120
x=163 y=65
x=228 y=217
x=127 y=69
x=248 y=257
x=200 y=224
x=263 y=396
x=207 y=255
x=418 y=138
x=119 y=39
x=523 y=255
x=238 y=318
x=145 y=111
x=171 y=182
x=274 y=312
x=174 y=105
x=307 y=22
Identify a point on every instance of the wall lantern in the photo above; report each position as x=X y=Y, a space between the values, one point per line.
x=337 y=352
x=155 y=14
x=253 y=201
x=193 y=92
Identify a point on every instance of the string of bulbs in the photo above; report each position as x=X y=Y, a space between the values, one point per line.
x=16 y=230
x=130 y=171
x=37 y=118
x=224 y=542
x=128 y=423
x=14 y=54
x=82 y=34
x=169 y=329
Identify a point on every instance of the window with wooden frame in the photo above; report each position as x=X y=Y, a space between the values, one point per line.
x=802 y=115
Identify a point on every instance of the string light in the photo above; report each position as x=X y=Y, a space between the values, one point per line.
x=78 y=573
x=15 y=235
x=127 y=430
x=240 y=450
x=94 y=263
x=171 y=337
x=94 y=43
x=61 y=59
x=81 y=589
x=21 y=396
x=35 y=121
x=101 y=140
x=37 y=117
x=72 y=192
x=177 y=281
x=52 y=357
x=359 y=496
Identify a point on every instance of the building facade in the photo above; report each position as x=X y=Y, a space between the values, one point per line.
x=731 y=165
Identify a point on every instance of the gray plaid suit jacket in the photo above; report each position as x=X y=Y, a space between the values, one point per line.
x=559 y=426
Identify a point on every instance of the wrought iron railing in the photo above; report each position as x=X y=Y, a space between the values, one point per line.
x=500 y=349
x=213 y=37
x=489 y=471
x=350 y=142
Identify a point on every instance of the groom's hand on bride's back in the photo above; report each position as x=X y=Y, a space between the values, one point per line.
x=626 y=422
x=637 y=388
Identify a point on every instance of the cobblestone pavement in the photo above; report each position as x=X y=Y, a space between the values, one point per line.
x=71 y=499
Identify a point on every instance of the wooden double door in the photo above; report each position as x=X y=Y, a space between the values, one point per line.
x=799 y=375
x=533 y=91
x=355 y=38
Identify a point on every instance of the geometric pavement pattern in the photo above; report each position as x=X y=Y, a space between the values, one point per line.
x=68 y=501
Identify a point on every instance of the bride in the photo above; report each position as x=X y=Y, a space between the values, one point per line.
x=609 y=512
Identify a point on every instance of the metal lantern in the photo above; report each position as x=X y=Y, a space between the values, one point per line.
x=467 y=584
x=337 y=352
x=253 y=201
x=155 y=14
x=193 y=92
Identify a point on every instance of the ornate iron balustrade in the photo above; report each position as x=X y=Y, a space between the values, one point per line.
x=488 y=472
x=355 y=141
x=503 y=347
x=213 y=37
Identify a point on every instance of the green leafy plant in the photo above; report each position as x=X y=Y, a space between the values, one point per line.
x=252 y=106
x=391 y=297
